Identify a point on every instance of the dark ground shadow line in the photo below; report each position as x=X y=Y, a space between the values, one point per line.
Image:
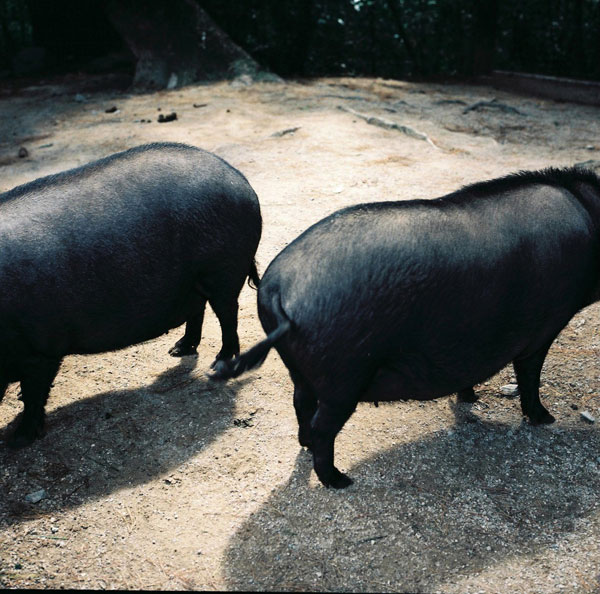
x=95 y=446
x=422 y=513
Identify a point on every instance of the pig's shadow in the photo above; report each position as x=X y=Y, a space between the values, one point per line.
x=95 y=446
x=421 y=513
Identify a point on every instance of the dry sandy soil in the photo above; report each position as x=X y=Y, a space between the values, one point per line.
x=154 y=477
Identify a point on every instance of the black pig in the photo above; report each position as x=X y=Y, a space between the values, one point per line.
x=118 y=252
x=422 y=298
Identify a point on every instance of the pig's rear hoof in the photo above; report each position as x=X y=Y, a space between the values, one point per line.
x=23 y=437
x=336 y=479
x=467 y=395
x=182 y=350
x=542 y=417
x=225 y=356
x=221 y=370
x=304 y=440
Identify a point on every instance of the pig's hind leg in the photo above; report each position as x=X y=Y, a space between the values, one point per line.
x=467 y=395
x=305 y=405
x=36 y=380
x=325 y=425
x=528 y=371
x=188 y=344
x=226 y=310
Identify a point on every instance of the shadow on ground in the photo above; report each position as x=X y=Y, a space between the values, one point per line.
x=96 y=446
x=422 y=514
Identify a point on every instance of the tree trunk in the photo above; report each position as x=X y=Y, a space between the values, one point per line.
x=176 y=43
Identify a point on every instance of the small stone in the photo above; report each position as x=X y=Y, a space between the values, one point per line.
x=284 y=132
x=167 y=118
x=587 y=416
x=36 y=496
x=23 y=152
x=511 y=390
x=593 y=164
x=172 y=83
x=113 y=109
x=79 y=98
x=574 y=407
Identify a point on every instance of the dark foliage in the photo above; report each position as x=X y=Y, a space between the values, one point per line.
x=390 y=38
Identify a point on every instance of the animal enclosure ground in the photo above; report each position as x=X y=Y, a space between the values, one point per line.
x=154 y=477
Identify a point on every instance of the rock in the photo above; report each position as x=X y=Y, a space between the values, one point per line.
x=511 y=390
x=36 y=496
x=23 y=152
x=574 y=407
x=244 y=80
x=172 y=83
x=167 y=118
x=592 y=164
x=80 y=98
x=112 y=109
x=245 y=72
x=283 y=132
x=587 y=416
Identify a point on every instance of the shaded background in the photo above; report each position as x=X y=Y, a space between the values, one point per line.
x=297 y=38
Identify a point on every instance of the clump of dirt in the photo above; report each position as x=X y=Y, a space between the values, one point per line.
x=149 y=476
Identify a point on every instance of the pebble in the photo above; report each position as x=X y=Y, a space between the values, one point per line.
x=587 y=416
x=167 y=118
x=510 y=390
x=36 y=496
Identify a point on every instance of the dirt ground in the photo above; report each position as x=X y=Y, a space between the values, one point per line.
x=153 y=477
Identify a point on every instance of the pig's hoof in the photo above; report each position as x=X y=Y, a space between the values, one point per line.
x=23 y=437
x=337 y=480
x=467 y=395
x=180 y=349
x=542 y=417
x=225 y=356
x=304 y=439
x=221 y=370
x=223 y=359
